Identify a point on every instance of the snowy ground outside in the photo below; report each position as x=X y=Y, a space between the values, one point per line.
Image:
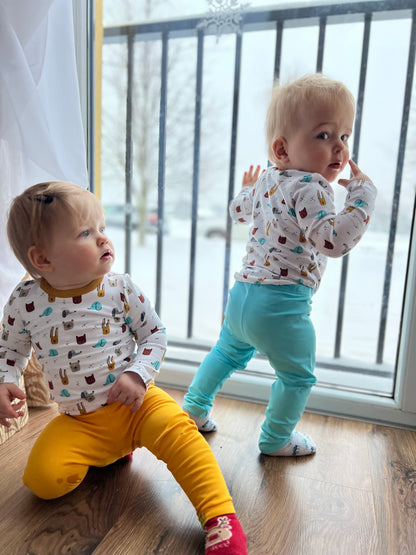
x=363 y=296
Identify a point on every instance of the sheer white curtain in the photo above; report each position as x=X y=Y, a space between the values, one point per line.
x=41 y=133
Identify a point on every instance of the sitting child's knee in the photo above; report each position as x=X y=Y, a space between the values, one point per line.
x=49 y=485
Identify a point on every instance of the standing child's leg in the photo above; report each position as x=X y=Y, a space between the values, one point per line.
x=228 y=355
x=287 y=401
x=281 y=329
x=172 y=437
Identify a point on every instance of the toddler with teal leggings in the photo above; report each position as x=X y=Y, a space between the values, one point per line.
x=294 y=229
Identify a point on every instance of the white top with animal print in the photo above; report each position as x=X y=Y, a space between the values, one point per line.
x=295 y=227
x=84 y=339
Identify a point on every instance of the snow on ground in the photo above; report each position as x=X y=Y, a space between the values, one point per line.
x=363 y=296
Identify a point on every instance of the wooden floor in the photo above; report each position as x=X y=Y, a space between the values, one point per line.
x=356 y=496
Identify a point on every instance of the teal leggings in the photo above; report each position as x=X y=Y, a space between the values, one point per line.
x=273 y=320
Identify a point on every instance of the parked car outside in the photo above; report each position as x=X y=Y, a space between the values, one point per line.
x=115 y=216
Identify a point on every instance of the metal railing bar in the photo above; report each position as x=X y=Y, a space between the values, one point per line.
x=295 y=16
x=321 y=44
x=129 y=152
x=161 y=170
x=233 y=148
x=325 y=10
x=91 y=153
x=355 y=150
x=195 y=178
x=361 y=86
x=341 y=306
x=278 y=48
x=397 y=188
x=277 y=56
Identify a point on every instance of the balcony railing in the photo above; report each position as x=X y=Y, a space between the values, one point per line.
x=279 y=20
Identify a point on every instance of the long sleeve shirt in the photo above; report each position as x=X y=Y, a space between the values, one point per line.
x=295 y=226
x=84 y=339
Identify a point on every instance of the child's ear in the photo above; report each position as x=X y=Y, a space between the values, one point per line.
x=38 y=259
x=280 y=149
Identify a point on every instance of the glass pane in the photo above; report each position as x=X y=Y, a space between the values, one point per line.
x=357 y=350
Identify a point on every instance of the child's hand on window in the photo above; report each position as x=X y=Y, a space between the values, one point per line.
x=250 y=177
x=9 y=392
x=357 y=175
x=129 y=389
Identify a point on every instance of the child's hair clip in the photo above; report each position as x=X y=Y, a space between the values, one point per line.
x=45 y=198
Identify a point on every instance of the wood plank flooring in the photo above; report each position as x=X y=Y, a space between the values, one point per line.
x=356 y=496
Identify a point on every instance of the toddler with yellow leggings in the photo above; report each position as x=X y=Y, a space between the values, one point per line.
x=100 y=344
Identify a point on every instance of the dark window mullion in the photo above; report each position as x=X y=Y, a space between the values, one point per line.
x=161 y=169
x=357 y=133
x=129 y=152
x=237 y=71
x=278 y=48
x=321 y=44
x=195 y=179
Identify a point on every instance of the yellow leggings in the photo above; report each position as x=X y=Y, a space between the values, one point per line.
x=69 y=445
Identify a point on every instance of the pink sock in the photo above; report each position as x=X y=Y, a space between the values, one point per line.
x=224 y=536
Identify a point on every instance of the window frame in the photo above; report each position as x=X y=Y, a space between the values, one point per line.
x=181 y=364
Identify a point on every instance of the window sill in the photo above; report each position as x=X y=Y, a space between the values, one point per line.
x=180 y=366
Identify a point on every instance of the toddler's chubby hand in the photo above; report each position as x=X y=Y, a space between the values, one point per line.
x=9 y=392
x=128 y=389
x=250 y=177
x=357 y=175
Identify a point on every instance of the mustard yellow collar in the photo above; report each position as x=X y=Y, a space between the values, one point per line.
x=52 y=292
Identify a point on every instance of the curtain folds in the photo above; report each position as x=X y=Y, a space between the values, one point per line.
x=41 y=132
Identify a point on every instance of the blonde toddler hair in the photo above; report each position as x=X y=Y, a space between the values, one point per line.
x=289 y=102
x=38 y=211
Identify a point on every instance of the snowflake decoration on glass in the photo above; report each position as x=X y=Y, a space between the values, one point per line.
x=224 y=15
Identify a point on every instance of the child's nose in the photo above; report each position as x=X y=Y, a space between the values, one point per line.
x=102 y=238
x=340 y=145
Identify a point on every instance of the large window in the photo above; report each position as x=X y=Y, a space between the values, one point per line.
x=185 y=88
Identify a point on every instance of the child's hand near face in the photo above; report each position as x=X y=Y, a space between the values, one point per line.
x=8 y=392
x=129 y=388
x=250 y=177
x=357 y=175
